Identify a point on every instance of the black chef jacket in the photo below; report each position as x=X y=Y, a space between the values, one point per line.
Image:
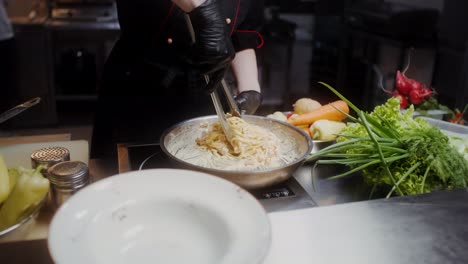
x=146 y=85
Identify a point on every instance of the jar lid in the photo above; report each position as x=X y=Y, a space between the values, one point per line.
x=69 y=174
x=49 y=156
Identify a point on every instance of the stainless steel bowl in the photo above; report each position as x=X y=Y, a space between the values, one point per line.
x=21 y=229
x=250 y=179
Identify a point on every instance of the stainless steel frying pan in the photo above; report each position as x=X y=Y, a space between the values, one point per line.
x=294 y=143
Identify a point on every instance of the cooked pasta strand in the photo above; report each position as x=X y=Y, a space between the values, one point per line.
x=256 y=145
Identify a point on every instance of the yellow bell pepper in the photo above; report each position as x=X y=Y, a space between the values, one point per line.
x=4 y=181
x=30 y=189
x=326 y=129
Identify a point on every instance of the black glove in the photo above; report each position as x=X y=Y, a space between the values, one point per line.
x=249 y=101
x=213 y=50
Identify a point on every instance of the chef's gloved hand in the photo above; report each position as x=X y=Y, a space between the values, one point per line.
x=212 y=51
x=248 y=101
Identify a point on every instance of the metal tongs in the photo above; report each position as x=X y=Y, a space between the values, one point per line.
x=234 y=110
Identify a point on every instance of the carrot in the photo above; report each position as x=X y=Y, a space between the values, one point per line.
x=327 y=112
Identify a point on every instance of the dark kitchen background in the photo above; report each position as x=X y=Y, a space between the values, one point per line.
x=355 y=45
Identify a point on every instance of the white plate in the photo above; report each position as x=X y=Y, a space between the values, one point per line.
x=160 y=216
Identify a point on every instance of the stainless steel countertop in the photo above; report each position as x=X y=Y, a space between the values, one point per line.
x=314 y=179
x=429 y=228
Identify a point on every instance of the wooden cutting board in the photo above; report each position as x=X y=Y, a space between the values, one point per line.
x=34 y=139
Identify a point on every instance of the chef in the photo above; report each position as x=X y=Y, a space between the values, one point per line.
x=153 y=78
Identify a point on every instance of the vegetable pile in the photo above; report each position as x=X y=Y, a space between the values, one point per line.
x=394 y=152
x=320 y=122
x=21 y=190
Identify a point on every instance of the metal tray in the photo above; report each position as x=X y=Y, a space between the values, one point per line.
x=450 y=129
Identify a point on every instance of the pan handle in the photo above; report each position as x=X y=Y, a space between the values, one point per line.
x=18 y=109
